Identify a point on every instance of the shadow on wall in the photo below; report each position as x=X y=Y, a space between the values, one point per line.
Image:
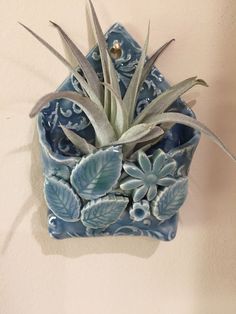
x=76 y=247
x=215 y=271
x=142 y=247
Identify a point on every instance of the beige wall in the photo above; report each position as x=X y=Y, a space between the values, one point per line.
x=196 y=273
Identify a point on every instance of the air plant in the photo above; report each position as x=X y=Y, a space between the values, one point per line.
x=113 y=117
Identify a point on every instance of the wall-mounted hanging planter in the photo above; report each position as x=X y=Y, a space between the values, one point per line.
x=116 y=155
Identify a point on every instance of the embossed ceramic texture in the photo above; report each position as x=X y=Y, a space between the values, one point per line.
x=137 y=198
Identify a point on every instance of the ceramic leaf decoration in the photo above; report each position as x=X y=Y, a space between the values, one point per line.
x=170 y=199
x=117 y=141
x=61 y=199
x=96 y=174
x=103 y=212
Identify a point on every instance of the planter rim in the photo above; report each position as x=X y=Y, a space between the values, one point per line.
x=62 y=158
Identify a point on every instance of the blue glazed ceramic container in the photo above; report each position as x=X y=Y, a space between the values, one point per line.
x=77 y=208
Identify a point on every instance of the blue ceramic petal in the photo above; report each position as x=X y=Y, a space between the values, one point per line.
x=168 y=201
x=166 y=181
x=152 y=192
x=97 y=173
x=132 y=170
x=168 y=169
x=158 y=161
x=144 y=162
x=62 y=200
x=130 y=184
x=140 y=193
x=103 y=212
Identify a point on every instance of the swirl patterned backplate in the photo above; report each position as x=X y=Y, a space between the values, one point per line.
x=101 y=194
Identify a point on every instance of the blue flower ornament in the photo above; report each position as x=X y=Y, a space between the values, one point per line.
x=149 y=173
x=140 y=211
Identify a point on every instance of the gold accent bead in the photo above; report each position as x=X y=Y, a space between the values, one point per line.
x=116 y=50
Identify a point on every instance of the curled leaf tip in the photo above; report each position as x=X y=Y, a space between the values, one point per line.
x=148 y=27
x=23 y=25
x=169 y=42
x=53 y=23
x=33 y=113
x=202 y=82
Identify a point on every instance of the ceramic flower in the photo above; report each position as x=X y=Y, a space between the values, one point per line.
x=143 y=180
x=140 y=211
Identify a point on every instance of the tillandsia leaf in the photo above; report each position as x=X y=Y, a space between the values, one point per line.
x=191 y=122
x=142 y=146
x=128 y=149
x=163 y=101
x=88 y=70
x=103 y=129
x=103 y=54
x=91 y=36
x=120 y=124
x=78 y=141
x=80 y=79
x=167 y=126
x=154 y=134
x=135 y=133
x=130 y=97
x=115 y=85
x=190 y=104
x=150 y=62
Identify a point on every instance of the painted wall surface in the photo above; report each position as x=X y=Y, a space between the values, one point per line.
x=196 y=273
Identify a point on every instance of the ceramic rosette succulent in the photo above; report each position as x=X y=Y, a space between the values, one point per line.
x=117 y=141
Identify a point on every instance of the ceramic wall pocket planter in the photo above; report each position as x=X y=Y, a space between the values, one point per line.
x=108 y=170
x=84 y=194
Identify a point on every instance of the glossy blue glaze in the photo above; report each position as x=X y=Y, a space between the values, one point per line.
x=60 y=158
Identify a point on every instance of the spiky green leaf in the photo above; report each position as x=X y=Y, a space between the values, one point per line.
x=120 y=124
x=78 y=141
x=88 y=70
x=150 y=62
x=163 y=101
x=80 y=79
x=103 y=54
x=131 y=94
x=114 y=111
x=138 y=133
x=191 y=122
x=153 y=135
x=103 y=129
